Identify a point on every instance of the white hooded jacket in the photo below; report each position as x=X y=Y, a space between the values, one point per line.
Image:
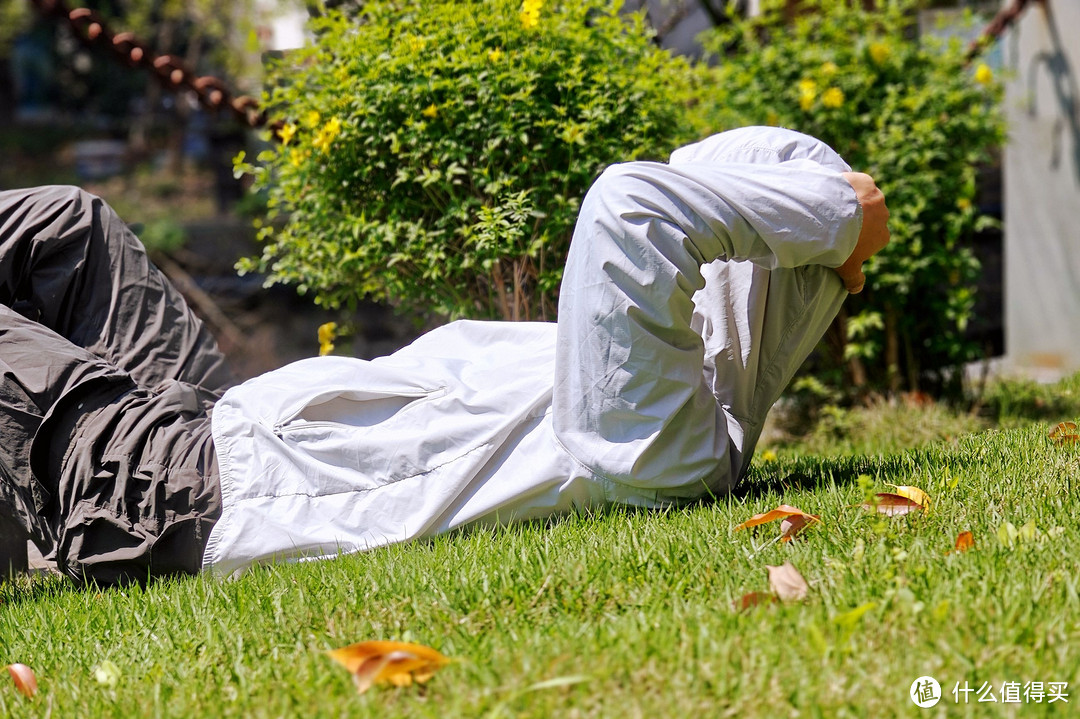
x=693 y=291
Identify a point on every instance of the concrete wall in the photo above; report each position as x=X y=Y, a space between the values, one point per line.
x=1042 y=191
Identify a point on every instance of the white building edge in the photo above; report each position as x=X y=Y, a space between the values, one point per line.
x=1042 y=191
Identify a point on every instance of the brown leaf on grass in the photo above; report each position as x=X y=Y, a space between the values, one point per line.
x=794 y=520
x=752 y=599
x=384 y=662
x=24 y=678
x=787 y=583
x=791 y=526
x=892 y=505
x=1064 y=433
x=964 y=541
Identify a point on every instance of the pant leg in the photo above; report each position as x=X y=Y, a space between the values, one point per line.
x=758 y=327
x=138 y=489
x=635 y=399
x=113 y=481
x=39 y=369
x=68 y=262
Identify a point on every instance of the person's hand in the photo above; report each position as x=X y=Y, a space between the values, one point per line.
x=875 y=230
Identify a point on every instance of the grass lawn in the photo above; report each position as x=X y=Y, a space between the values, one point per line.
x=629 y=614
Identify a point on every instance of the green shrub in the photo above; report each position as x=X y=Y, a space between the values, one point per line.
x=912 y=113
x=434 y=153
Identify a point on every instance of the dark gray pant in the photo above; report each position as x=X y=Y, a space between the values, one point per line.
x=106 y=458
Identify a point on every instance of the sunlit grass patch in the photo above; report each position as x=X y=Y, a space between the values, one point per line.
x=619 y=613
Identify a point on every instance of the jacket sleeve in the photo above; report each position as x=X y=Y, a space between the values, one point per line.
x=631 y=403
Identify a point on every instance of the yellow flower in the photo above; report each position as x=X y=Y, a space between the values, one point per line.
x=768 y=456
x=286 y=133
x=807 y=93
x=833 y=97
x=879 y=52
x=530 y=20
x=312 y=118
x=430 y=111
x=963 y=204
x=327 y=135
x=297 y=156
x=983 y=74
x=495 y=55
x=416 y=44
x=772 y=119
x=327 y=335
x=829 y=69
x=530 y=13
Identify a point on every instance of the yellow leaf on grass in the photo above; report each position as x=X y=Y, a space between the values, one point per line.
x=24 y=678
x=787 y=583
x=915 y=494
x=1007 y=534
x=385 y=662
x=1029 y=532
x=794 y=520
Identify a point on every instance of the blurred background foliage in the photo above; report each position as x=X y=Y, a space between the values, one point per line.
x=432 y=155
x=912 y=110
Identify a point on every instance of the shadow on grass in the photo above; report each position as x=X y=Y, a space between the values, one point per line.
x=811 y=473
x=35 y=587
x=40 y=585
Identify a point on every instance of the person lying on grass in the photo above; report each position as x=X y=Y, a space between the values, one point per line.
x=692 y=292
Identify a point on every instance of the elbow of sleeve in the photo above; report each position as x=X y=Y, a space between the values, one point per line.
x=623 y=189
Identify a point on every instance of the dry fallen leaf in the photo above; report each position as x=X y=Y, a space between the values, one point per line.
x=794 y=520
x=787 y=583
x=791 y=526
x=384 y=662
x=24 y=678
x=752 y=599
x=891 y=504
x=964 y=541
x=1064 y=433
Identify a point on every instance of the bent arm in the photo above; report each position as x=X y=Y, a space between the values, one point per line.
x=631 y=402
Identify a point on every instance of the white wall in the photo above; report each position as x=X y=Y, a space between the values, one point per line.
x=1042 y=191
x=283 y=24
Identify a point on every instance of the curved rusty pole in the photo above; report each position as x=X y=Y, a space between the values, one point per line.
x=169 y=70
x=1001 y=22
